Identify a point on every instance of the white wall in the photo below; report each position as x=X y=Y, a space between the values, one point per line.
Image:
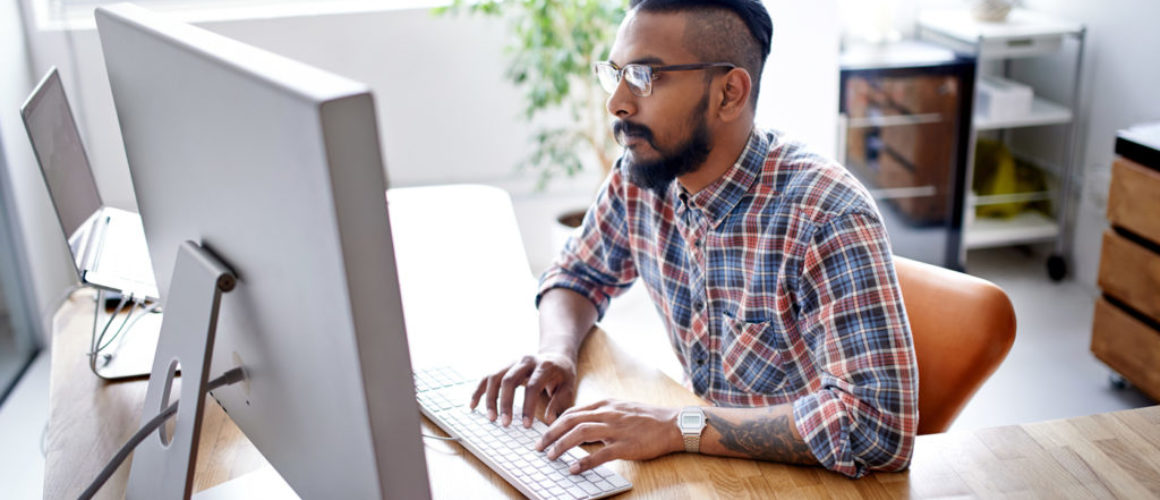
x=799 y=86
x=49 y=266
x=446 y=113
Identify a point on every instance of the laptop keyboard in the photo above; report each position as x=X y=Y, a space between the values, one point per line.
x=443 y=396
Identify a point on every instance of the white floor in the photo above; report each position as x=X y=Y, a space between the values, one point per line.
x=1049 y=373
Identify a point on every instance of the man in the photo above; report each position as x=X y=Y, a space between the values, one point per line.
x=770 y=266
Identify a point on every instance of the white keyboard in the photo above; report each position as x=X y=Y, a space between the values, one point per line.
x=443 y=396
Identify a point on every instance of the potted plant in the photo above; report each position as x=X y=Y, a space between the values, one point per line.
x=553 y=46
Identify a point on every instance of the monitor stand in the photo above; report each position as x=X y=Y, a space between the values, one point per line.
x=162 y=464
x=264 y=483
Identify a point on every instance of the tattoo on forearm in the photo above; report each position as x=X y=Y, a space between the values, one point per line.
x=765 y=438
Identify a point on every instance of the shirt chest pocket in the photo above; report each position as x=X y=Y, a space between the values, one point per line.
x=752 y=360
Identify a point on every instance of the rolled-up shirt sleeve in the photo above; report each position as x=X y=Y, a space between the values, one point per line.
x=596 y=262
x=863 y=412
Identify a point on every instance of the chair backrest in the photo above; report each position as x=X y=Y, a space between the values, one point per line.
x=963 y=327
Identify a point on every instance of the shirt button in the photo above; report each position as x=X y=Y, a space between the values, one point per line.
x=701 y=362
x=697 y=305
x=697 y=243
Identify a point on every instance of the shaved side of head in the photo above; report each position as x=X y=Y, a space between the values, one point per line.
x=733 y=31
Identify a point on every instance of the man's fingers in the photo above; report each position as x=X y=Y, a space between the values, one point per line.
x=532 y=392
x=479 y=390
x=604 y=454
x=516 y=375
x=561 y=426
x=492 y=394
x=583 y=432
x=561 y=399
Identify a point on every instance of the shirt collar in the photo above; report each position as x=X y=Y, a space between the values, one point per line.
x=719 y=198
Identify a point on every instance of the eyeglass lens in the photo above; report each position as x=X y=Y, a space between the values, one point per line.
x=639 y=78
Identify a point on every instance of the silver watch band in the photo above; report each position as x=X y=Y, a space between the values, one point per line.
x=692 y=443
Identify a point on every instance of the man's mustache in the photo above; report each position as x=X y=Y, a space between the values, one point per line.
x=622 y=128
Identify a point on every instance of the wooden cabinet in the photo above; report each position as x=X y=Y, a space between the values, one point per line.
x=1126 y=328
x=905 y=117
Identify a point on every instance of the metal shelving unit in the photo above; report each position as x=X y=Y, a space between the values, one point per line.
x=1025 y=34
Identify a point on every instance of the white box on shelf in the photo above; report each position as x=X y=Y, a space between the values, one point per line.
x=1003 y=99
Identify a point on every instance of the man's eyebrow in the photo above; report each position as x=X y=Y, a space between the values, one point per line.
x=647 y=60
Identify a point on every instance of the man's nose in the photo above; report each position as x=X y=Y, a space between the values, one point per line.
x=622 y=102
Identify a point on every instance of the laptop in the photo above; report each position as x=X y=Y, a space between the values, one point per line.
x=107 y=244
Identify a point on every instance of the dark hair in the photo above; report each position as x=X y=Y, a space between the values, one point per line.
x=711 y=37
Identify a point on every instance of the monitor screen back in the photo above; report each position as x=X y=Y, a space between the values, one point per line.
x=275 y=167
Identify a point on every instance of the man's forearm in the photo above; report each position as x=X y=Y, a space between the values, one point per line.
x=566 y=317
x=761 y=433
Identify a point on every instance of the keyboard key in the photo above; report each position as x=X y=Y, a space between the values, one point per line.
x=618 y=482
x=589 y=488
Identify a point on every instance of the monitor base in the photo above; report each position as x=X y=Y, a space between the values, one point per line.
x=263 y=483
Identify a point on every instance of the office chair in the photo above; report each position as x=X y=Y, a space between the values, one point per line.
x=963 y=327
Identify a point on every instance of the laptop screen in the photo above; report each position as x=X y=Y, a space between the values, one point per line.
x=58 y=148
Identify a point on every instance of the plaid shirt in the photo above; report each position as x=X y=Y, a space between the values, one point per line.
x=776 y=285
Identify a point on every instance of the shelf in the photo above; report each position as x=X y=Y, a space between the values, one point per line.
x=1043 y=112
x=894 y=120
x=1023 y=34
x=1027 y=227
x=998 y=199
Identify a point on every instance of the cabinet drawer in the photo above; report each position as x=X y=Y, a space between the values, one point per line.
x=1134 y=199
x=1128 y=346
x=1130 y=273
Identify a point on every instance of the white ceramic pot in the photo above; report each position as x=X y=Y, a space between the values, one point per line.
x=994 y=11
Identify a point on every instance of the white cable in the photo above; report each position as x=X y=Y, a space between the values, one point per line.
x=230 y=377
x=95 y=345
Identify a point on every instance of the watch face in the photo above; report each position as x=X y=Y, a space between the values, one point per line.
x=691 y=420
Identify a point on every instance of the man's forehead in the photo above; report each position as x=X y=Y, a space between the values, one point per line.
x=651 y=38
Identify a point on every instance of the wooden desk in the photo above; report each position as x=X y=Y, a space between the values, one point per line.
x=1115 y=454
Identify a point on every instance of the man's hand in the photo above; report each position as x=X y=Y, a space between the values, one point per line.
x=550 y=374
x=630 y=431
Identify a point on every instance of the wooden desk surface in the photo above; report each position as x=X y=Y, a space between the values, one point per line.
x=1106 y=455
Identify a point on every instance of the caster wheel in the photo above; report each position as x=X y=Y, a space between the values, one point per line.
x=1117 y=382
x=1056 y=268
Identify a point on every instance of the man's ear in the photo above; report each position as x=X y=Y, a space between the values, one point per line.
x=734 y=95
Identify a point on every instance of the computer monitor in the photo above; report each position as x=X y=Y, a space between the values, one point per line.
x=275 y=167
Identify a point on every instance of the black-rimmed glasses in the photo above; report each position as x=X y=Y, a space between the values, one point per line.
x=640 y=76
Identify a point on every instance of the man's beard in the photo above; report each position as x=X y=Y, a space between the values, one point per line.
x=656 y=175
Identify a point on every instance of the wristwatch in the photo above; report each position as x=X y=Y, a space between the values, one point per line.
x=691 y=421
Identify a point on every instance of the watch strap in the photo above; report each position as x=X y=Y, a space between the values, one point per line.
x=692 y=443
